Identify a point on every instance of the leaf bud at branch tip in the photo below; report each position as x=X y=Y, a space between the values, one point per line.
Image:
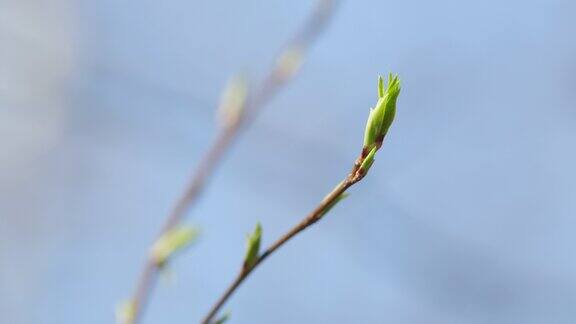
x=382 y=115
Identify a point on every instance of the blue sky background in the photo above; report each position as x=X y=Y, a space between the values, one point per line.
x=468 y=215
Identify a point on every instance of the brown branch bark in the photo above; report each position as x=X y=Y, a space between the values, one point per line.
x=314 y=216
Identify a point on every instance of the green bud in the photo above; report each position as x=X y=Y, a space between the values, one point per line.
x=336 y=201
x=172 y=241
x=253 y=247
x=382 y=116
x=368 y=160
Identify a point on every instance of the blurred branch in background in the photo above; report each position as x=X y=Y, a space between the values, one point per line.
x=286 y=66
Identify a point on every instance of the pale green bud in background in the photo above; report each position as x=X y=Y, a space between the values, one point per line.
x=172 y=241
x=233 y=101
x=126 y=312
x=289 y=62
x=253 y=247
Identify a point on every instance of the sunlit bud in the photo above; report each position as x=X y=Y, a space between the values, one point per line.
x=382 y=116
x=253 y=247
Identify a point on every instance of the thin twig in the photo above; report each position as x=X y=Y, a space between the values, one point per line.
x=270 y=85
x=379 y=121
x=355 y=175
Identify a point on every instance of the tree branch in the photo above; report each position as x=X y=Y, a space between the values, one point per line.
x=278 y=76
x=379 y=121
x=353 y=177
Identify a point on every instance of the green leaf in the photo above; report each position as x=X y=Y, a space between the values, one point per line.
x=253 y=247
x=368 y=160
x=370 y=131
x=379 y=113
x=391 y=96
x=172 y=241
x=380 y=87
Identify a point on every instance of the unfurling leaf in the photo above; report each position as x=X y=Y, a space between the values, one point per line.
x=171 y=242
x=380 y=87
x=253 y=247
x=390 y=97
x=368 y=160
x=370 y=131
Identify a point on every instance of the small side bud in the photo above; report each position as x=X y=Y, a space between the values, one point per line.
x=253 y=247
x=368 y=160
x=126 y=312
x=233 y=101
x=223 y=319
x=380 y=87
x=334 y=203
x=171 y=242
